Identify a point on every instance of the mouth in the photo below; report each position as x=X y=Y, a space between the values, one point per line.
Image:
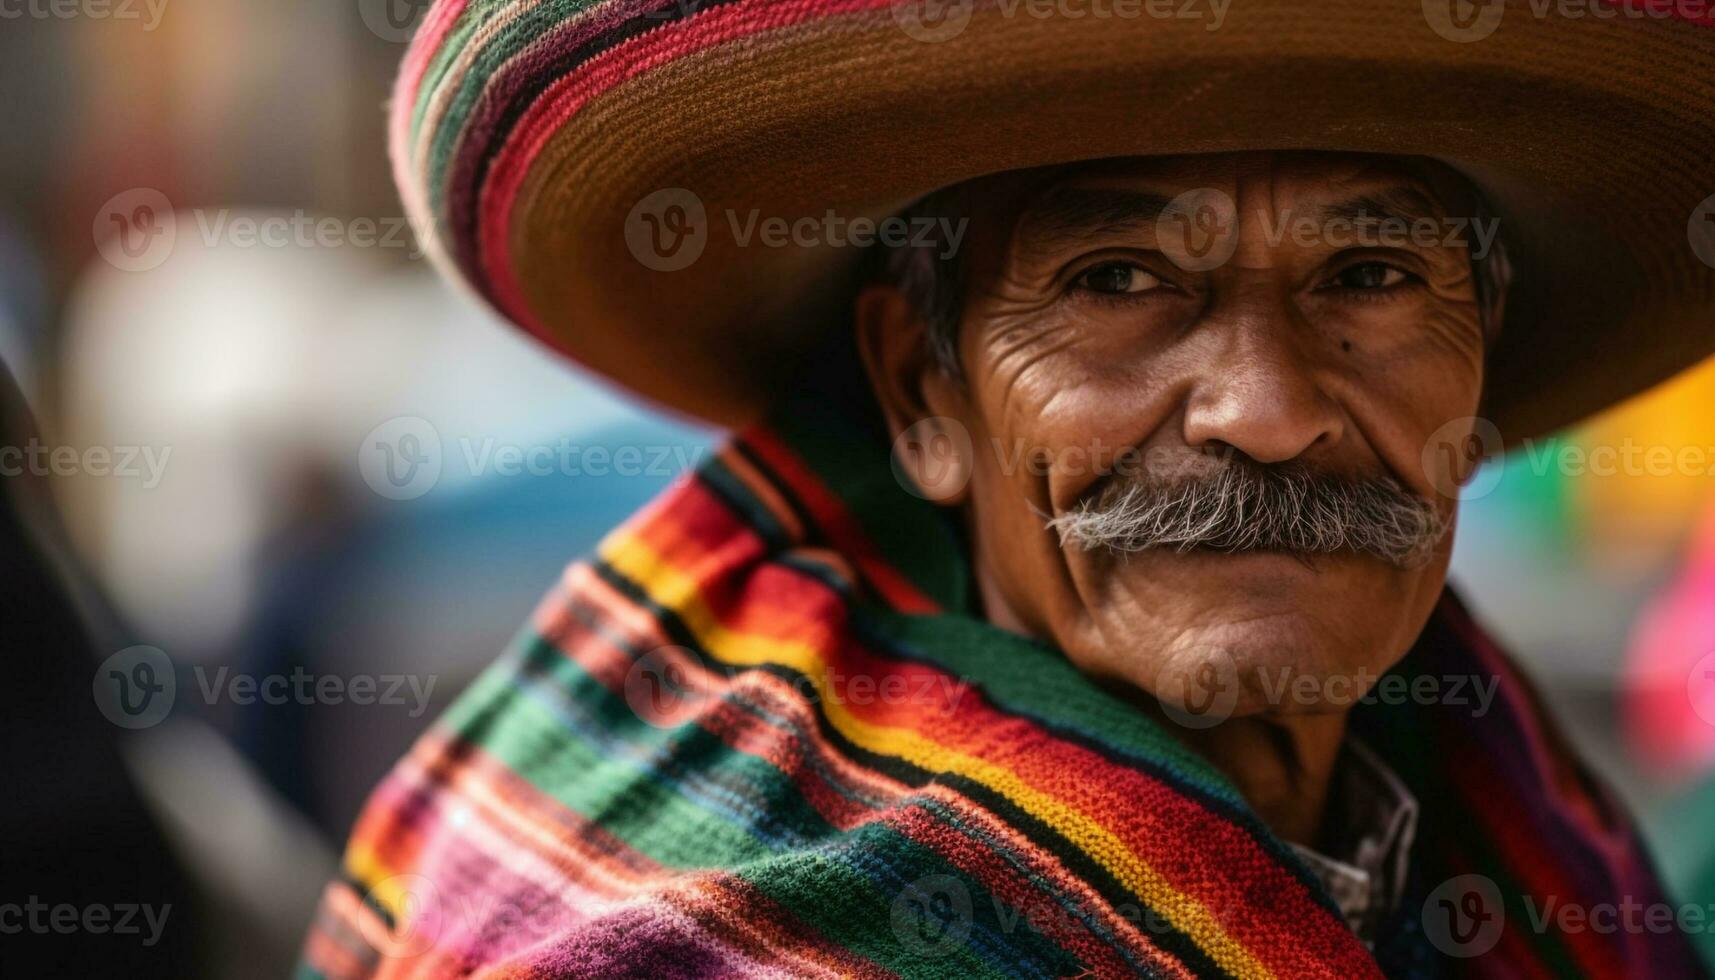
x=1273 y=560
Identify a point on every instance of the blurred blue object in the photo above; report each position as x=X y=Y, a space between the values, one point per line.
x=428 y=590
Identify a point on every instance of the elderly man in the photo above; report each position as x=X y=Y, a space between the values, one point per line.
x=1134 y=656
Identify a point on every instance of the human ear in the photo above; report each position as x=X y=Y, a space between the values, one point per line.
x=932 y=453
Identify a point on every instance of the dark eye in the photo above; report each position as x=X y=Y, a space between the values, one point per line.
x=1368 y=275
x=1117 y=277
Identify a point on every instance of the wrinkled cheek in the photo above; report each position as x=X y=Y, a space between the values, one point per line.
x=1421 y=414
x=1090 y=430
x=1448 y=362
x=1442 y=450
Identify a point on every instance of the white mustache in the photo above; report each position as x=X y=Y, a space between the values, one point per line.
x=1247 y=506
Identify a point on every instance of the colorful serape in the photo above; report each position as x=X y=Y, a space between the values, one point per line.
x=759 y=734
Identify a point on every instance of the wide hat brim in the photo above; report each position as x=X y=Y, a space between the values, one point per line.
x=591 y=169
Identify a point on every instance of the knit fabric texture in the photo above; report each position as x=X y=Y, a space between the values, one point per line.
x=761 y=733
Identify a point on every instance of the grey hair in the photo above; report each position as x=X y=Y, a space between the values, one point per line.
x=931 y=276
x=1247 y=506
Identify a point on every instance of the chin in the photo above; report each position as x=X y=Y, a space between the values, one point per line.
x=1290 y=636
x=1277 y=665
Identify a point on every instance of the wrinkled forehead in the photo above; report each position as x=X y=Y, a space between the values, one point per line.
x=1286 y=168
x=1072 y=199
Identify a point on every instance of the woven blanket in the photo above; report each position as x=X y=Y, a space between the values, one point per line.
x=761 y=733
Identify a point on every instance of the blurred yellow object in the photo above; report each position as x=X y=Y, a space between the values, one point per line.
x=1649 y=468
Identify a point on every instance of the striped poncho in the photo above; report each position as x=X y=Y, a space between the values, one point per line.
x=758 y=734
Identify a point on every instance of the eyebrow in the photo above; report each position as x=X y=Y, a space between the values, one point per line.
x=1401 y=203
x=1068 y=213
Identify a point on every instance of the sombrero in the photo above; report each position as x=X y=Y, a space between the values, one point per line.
x=591 y=168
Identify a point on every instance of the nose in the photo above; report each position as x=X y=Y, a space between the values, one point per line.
x=1260 y=395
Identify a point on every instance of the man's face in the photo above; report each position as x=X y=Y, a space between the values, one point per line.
x=1267 y=322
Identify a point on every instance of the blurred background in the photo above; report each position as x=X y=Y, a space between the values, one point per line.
x=268 y=442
